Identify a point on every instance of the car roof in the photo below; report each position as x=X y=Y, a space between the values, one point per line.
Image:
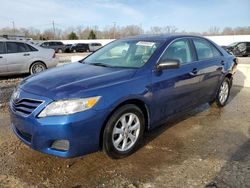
x=7 y=40
x=161 y=36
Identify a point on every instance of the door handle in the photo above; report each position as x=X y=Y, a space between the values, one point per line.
x=222 y=62
x=194 y=72
x=26 y=54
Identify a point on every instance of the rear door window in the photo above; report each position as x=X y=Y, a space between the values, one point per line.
x=44 y=44
x=16 y=47
x=205 y=50
x=216 y=52
x=52 y=44
x=96 y=44
x=2 y=48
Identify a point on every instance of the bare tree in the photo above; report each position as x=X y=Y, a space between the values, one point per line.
x=156 y=30
x=108 y=31
x=214 y=30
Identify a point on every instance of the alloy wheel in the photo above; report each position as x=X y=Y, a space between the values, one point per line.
x=126 y=132
x=38 y=67
x=224 y=91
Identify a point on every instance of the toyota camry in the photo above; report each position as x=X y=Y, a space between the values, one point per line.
x=108 y=100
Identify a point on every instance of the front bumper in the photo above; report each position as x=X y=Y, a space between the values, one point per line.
x=82 y=130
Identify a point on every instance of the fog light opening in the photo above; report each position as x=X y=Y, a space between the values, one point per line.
x=61 y=145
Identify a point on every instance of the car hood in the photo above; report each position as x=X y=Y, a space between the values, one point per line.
x=71 y=81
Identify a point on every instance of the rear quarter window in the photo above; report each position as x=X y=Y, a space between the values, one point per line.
x=31 y=48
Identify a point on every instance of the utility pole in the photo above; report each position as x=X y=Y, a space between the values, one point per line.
x=14 y=29
x=54 y=30
x=114 y=29
x=142 y=32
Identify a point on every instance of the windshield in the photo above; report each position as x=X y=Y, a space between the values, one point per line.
x=124 y=53
x=233 y=44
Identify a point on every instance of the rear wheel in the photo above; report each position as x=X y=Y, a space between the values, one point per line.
x=123 y=131
x=37 y=67
x=223 y=93
x=60 y=51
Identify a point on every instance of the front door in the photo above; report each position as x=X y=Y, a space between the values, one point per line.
x=175 y=89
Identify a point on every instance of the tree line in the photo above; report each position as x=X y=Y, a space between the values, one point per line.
x=113 y=32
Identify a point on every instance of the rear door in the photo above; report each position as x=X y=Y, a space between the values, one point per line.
x=175 y=89
x=3 y=60
x=18 y=56
x=210 y=61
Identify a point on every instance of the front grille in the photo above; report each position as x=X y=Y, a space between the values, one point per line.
x=25 y=106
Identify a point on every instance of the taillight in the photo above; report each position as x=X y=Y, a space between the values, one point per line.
x=54 y=55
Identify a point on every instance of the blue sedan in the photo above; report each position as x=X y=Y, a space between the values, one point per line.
x=108 y=100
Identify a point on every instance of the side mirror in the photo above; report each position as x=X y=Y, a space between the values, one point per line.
x=168 y=64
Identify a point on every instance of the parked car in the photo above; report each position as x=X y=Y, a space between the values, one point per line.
x=79 y=47
x=94 y=46
x=238 y=48
x=56 y=45
x=21 y=57
x=107 y=102
x=66 y=48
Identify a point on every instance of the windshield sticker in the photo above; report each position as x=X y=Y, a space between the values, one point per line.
x=145 y=43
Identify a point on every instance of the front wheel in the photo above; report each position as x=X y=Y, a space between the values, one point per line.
x=223 y=93
x=37 y=67
x=123 y=131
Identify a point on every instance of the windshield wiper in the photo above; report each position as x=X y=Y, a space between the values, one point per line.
x=100 y=64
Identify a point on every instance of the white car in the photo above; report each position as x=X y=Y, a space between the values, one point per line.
x=94 y=46
x=22 y=57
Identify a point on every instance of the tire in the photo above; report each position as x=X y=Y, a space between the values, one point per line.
x=37 y=67
x=59 y=51
x=87 y=50
x=223 y=93
x=74 y=51
x=122 y=139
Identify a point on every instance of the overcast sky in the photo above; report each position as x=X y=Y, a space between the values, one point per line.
x=189 y=15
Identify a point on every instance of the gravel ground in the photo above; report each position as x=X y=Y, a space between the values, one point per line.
x=206 y=147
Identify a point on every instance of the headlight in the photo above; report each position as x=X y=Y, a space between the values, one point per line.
x=66 y=107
